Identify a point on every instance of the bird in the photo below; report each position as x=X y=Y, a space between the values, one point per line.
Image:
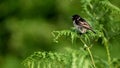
x=80 y=24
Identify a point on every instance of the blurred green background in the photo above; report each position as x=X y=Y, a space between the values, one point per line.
x=26 y=26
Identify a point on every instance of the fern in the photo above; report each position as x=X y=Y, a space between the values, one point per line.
x=73 y=59
x=57 y=34
x=101 y=13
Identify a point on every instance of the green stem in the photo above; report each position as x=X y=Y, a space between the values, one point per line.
x=88 y=49
x=108 y=52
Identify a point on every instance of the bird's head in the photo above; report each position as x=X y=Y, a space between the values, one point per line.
x=76 y=17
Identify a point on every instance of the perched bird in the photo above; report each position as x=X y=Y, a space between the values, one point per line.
x=81 y=25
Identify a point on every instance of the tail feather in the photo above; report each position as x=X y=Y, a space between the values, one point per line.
x=93 y=31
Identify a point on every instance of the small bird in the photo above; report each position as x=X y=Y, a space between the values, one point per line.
x=81 y=25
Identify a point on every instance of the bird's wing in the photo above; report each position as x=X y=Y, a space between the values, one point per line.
x=85 y=25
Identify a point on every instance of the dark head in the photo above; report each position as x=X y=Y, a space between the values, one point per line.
x=75 y=17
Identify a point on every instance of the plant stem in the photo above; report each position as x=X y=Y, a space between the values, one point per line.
x=91 y=56
x=88 y=49
x=108 y=52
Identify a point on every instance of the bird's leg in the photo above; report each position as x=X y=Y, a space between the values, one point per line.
x=80 y=33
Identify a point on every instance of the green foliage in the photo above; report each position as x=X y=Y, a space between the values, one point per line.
x=86 y=39
x=101 y=15
x=72 y=35
x=73 y=59
x=26 y=26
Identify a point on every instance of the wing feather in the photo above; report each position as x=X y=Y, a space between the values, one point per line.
x=84 y=24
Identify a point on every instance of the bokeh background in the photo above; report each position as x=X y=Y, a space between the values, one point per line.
x=26 y=26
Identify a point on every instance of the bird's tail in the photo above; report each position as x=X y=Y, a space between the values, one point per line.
x=93 y=31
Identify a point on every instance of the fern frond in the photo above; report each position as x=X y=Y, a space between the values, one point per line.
x=57 y=34
x=72 y=59
x=109 y=5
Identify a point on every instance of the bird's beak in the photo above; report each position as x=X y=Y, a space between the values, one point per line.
x=71 y=17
